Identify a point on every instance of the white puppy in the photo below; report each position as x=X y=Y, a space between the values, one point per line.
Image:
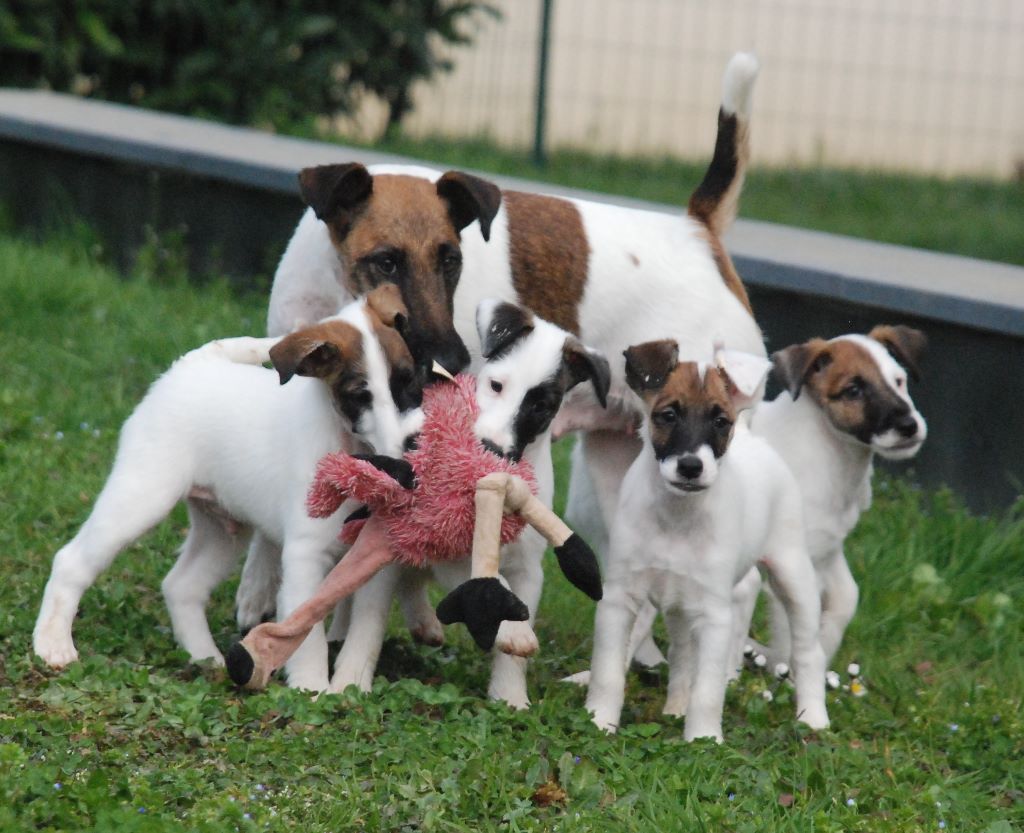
x=221 y=433
x=704 y=501
x=529 y=366
x=845 y=401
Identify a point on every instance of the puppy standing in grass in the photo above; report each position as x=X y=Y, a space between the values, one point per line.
x=704 y=501
x=221 y=433
x=846 y=400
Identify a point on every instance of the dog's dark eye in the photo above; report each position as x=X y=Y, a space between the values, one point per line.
x=664 y=417
x=451 y=262
x=496 y=386
x=386 y=265
x=854 y=390
x=721 y=422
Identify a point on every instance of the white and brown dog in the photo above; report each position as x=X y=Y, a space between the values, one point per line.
x=701 y=505
x=612 y=276
x=240 y=447
x=845 y=400
x=530 y=365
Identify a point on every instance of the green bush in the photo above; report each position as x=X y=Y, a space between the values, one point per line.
x=268 y=62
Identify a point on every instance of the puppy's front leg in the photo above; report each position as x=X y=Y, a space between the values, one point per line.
x=371 y=604
x=613 y=621
x=304 y=563
x=682 y=659
x=839 y=602
x=791 y=575
x=707 y=695
x=258 y=586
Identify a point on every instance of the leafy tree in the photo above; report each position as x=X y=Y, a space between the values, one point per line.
x=272 y=62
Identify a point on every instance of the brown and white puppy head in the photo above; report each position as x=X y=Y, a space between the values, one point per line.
x=404 y=230
x=692 y=407
x=860 y=384
x=367 y=368
x=530 y=364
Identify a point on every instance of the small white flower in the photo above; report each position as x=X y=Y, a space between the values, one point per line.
x=942 y=824
x=767 y=696
x=850 y=802
x=954 y=727
x=58 y=435
x=760 y=660
x=748 y=650
x=84 y=426
x=832 y=679
x=781 y=670
x=853 y=669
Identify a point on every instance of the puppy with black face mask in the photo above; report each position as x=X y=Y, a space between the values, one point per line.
x=530 y=365
x=703 y=503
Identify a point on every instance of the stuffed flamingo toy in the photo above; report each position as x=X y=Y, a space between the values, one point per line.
x=448 y=497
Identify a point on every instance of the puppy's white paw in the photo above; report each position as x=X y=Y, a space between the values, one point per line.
x=605 y=722
x=675 y=707
x=579 y=678
x=710 y=731
x=428 y=632
x=306 y=680
x=815 y=716
x=517 y=639
x=53 y=644
x=56 y=654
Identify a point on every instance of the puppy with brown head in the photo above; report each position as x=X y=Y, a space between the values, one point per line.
x=240 y=444
x=845 y=400
x=700 y=506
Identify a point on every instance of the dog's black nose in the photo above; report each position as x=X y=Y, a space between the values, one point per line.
x=905 y=425
x=453 y=357
x=689 y=466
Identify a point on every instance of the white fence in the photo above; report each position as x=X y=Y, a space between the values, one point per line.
x=933 y=86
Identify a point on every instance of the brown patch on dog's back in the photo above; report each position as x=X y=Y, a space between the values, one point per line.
x=548 y=254
x=725 y=267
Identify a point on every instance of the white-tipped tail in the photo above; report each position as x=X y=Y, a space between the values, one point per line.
x=738 y=84
x=241 y=350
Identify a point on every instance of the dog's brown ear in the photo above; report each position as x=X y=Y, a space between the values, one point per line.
x=469 y=198
x=316 y=351
x=794 y=365
x=905 y=344
x=386 y=303
x=335 y=192
x=648 y=365
x=500 y=325
x=584 y=363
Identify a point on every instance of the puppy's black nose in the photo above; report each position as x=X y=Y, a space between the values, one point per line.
x=689 y=466
x=905 y=425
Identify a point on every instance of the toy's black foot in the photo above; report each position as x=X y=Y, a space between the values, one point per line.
x=483 y=604
x=240 y=664
x=579 y=564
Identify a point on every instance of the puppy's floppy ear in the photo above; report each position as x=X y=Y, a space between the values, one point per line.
x=584 y=363
x=469 y=198
x=315 y=351
x=500 y=325
x=649 y=364
x=386 y=303
x=905 y=344
x=794 y=365
x=744 y=375
x=334 y=192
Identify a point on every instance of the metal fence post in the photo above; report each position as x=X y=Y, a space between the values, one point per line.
x=539 y=156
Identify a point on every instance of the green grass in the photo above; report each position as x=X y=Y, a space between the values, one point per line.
x=979 y=218
x=134 y=738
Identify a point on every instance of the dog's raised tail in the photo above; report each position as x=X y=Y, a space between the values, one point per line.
x=716 y=199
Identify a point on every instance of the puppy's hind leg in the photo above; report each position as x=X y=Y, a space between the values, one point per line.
x=207 y=558
x=419 y=615
x=256 y=599
x=131 y=503
x=839 y=603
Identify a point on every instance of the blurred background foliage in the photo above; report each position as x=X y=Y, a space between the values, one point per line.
x=270 y=63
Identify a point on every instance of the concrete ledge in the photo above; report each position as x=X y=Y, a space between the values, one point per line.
x=966 y=291
x=228 y=197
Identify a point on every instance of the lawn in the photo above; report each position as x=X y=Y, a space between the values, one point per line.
x=134 y=738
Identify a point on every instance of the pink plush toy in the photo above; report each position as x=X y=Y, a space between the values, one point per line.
x=447 y=498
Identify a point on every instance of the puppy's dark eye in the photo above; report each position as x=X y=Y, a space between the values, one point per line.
x=852 y=391
x=664 y=417
x=451 y=262
x=387 y=265
x=496 y=386
x=721 y=422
